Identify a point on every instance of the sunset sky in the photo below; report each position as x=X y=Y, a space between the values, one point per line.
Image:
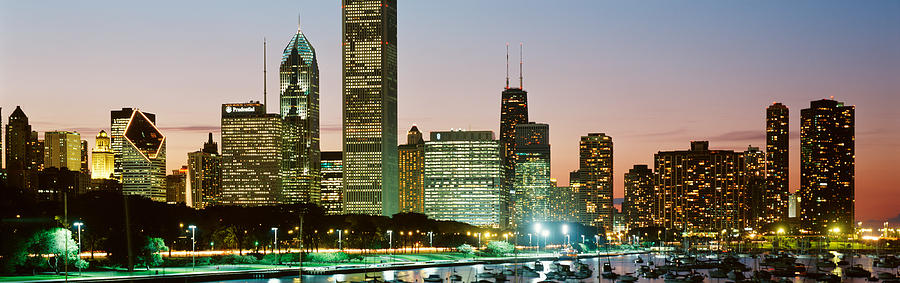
x=654 y=75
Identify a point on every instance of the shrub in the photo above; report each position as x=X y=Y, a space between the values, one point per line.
x=499 y=248
x=81 y=264
x=326 y=257
x=466 y=249
x=270 y=259
x=246 y=259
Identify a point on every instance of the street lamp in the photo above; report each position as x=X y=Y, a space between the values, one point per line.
x=79 y=224
x=582 y=238
x=565 y=231
x=193 y=246
x=275 y=229
x=431 y=239
x=545 y=233
x=340 y=244
x=390 y=240
x=529 y=239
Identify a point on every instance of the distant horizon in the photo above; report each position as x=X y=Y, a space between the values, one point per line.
x=654 y=77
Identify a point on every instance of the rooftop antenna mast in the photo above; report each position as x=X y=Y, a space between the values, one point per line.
x=520 y=66
x=507 y=65
x=265 y=76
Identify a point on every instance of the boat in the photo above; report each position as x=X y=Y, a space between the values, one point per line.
x=627 y=278
x=639 y=260
x=825 y=264
x=718 y=273
x=886 y=275
x=455 y=277
x=857 y=271
x=433 y=278
x=609 y=275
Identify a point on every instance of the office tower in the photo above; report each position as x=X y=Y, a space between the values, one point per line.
x=53 y=183
x=332 y=182
x=143 y=158
x=205 y=175
x=595 y=173
x=118 y=120
x=563 y=206
x=792 y=206
x=463 y=178
x=532 y=185
x=777 y=167
x=299 y=74
x=640 y=197
x=176 y=185
x=18 y=149
x=251 y=155
x=102 y=157
x=62 y=149
x=513 y=111
x=755 y=206
x=699 y=189
x=411 y=160
x=827 y=170
x=36 y=146
x=370 y=107
x=85 y=168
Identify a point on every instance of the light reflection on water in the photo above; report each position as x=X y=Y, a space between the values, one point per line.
x=621 y=264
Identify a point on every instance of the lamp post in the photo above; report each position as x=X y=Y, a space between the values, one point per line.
x=529 y=239
x=479 y=239
x=431 y=239
x=545 y=233
x=340 y=244
x=582 y=238
x=565 y=231
x=193 y=246
x=391 y=242
x=79 y=224
x=275 y=229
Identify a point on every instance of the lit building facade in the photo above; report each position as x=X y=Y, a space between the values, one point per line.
x=299 y=107
x=532 y=185
x=699 y=190
x=62 y=149
x=118 y=120
x=412 y=172
x=464 y=178
x=513 y=111
x=640 y=197
x=777 y=177
x=332 y=182
x=176 y=186
x=143 y=158
x=370 y=107
x=757 y=211
x=251 y=155
x=205 y=176
x=18 y=149
x=827 y=166
x=595 y=173
x=563 y=204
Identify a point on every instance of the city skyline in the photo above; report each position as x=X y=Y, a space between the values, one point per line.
x=741 y=121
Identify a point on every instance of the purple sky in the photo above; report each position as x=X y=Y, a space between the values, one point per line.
x=653 y=75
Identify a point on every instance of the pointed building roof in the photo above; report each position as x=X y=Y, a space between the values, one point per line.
x=144 y=135
x=18 y=113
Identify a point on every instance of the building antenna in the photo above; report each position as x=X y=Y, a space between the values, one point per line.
x=507 y=65
x=521 y=83
x=299 y=29
x=265 y=76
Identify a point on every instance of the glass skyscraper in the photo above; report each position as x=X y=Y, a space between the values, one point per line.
x=827 y=166
x=370 y=106
x=143 y=158
x=299 y=107
x=464 y=179
x=251 y=155
x=332 y=182
x=595 y=173
x=531 y=185
x=412 y=170
x=118 y=120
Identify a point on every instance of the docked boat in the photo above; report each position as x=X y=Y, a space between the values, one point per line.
x=433 y=278
x=857 y=271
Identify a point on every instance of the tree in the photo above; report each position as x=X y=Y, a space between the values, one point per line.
x=150 y=252
x=499 y=248
x=54 y=245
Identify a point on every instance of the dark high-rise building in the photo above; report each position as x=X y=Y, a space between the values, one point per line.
x=300 y=128
x=143 y=159
x=176 y=186
x=118 y=120
x=85 y=167
x=370 y=107
x=18 y=148
x=205 y=176
x=332 y=182
x=640 y=197
x=251 y=155
x=532 y=185
x=699 y=190
x=777 y=177
x=513 y=111
x=595 y=173
x=756 y=205
x=411 y=158
x=54 y=183
x=827 y=166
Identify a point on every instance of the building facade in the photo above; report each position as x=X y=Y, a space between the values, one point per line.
x=532 y=185
x=118 y=121
x=777 y=167
x=299 y=107
x=412 y=172
x=143 y=160
x=332 y=182
x=205 y=176
x=62 y=149
x=251 y=155
x=464 y=178
x=595 y=173
x=827 y=166
x=370 y=107
x=176 y=186
x=756 y=206
x=640 y=197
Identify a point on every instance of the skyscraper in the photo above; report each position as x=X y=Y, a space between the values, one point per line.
x=757 y=205
x=531 y=185
x=463 y=178
x=102 y=157
x=85 y=168
x=412 y=169
x=18 y=151
x=251 y=155
x=143 y=158
x=62 y=149
x=205 y=176
x=118 y=120
x=827 y=166
x=176 y=185
x=777 y=177
x=370 y=106
x=595 y=173
x=332 y=182
x=640 y=197
x=513 y=111
x=300 y=129
x=699 y=189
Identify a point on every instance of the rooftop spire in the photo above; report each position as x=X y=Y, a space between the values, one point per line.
x=521 y=60
x=507 y=65
x=265 y=93
x=298 y=22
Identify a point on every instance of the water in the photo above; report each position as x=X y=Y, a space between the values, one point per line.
x=621 y=264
